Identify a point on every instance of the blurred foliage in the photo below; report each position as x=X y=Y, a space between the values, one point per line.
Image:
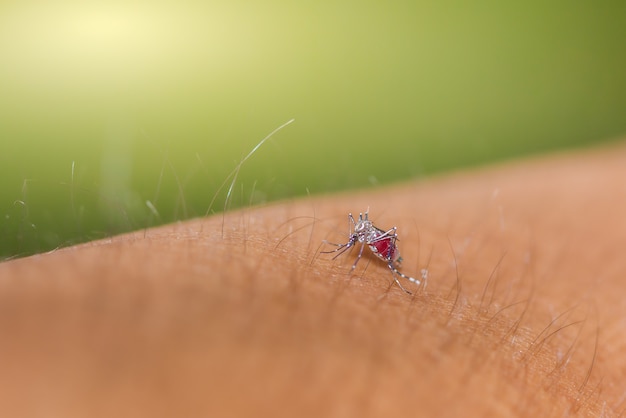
x=120 y=115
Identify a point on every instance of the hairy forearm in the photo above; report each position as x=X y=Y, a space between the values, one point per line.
x=520 y=312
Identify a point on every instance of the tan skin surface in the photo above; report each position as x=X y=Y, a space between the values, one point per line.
x=523 y=312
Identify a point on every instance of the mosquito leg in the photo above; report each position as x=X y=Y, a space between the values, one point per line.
x=393 y=273
x=387 y=235
x=341 y=248
x=404 y=276
x=359 y=256
x=332 y=243
x=351 y=225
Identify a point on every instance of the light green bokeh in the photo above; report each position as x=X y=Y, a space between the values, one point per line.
x=158 y=101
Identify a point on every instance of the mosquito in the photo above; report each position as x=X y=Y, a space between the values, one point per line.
x=381 y=243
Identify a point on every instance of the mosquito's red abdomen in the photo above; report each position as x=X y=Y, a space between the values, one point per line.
x=385 y=248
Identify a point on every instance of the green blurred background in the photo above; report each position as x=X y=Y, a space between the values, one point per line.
x=108 y=108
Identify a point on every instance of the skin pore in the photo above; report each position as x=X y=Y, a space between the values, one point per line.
x=522 y=312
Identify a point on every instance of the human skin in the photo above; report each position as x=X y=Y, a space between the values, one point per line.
x=522 y=312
